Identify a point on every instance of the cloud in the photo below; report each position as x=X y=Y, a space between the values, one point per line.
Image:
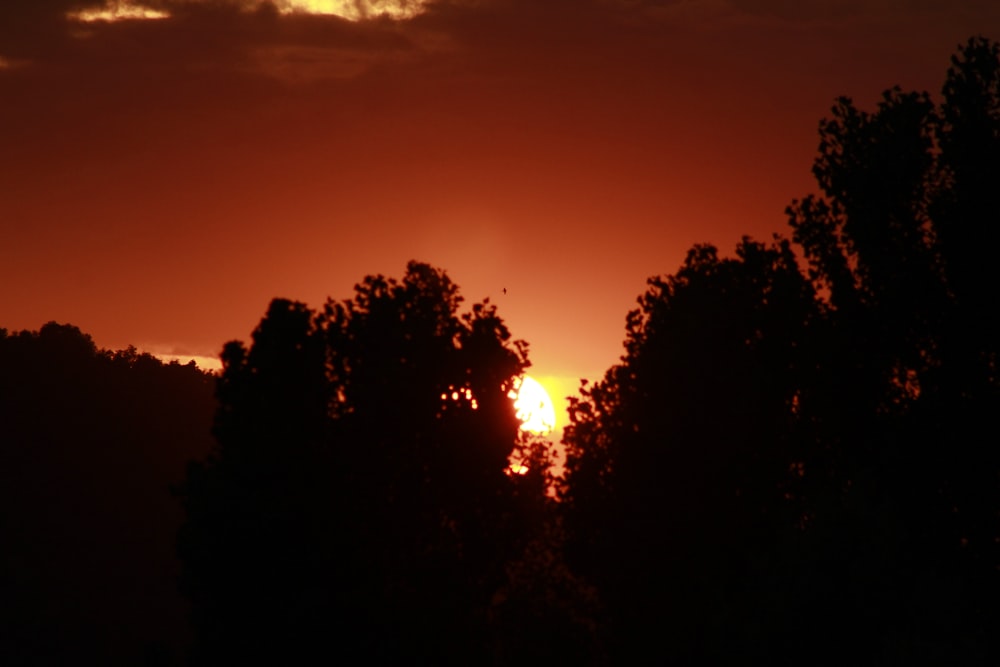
x=355 y=9
x=517 y=46
x=845 y=10
x=221 y=35
x=28 y=28
x=118 y=10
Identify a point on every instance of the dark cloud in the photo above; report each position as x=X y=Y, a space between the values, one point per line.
x=826 y=10
x=28 y=28
x=42 y=30
x=241 y=39
x=556 y=19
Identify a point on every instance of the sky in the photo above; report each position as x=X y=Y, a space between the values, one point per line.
x=168 y=167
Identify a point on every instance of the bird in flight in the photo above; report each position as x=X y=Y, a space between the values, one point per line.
x=504 y=290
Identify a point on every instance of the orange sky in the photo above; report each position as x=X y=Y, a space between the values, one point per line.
x=162 y=180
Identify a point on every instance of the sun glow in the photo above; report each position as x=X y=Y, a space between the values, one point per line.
x=533 y=405
x=210 y=364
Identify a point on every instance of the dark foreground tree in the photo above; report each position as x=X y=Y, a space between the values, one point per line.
x=815 y=477
x=90 y=443
x=902 y=238
x=678 y=461
x=358 y=505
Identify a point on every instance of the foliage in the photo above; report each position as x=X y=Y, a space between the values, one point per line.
x=90 y=442
x=358 y=504
x=678 y=461
x=902 y=241
x=783 y=457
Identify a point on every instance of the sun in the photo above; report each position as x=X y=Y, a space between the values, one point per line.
x=534 y=407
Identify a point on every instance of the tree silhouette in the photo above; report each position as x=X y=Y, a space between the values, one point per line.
x=901 y=238
x=358 y=503
x=967 y=208
x=246 y=544
x=90 y=442
x=678 y=461
x=778 y=460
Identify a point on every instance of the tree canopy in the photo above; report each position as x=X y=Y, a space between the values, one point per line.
x=360 y=481
x=91 y=441
x=783 y=455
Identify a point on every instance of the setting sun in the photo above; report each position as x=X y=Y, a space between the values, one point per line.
x=534 y=407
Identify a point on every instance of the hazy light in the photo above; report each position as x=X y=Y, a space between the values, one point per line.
x=118 y=10
x=355 y=10
x=213 y=364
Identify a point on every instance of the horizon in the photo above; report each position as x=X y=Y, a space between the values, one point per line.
x=169 y=176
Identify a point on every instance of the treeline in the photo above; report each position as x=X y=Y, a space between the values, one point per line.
x=90 y=443
x=795 y=462
x=804 y=468
x=358 y=505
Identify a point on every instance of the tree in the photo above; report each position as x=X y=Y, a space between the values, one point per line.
x=253 y=545
x=431 y=428
x=779 y=460
x=679 y=463
x=358 y=503
x=90 y=442
x=902 y=237
x=967 y=211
